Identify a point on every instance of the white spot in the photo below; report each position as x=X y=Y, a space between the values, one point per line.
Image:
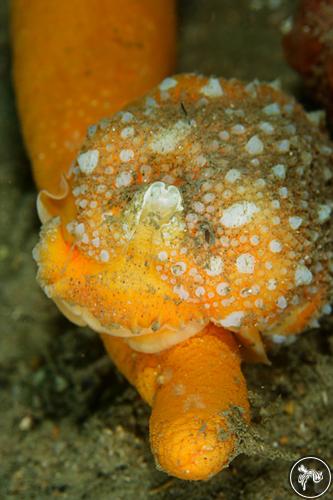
x=281 y=302
x=224 y=135
x=162 y=256
x=303 y=275
x=290 y=128
x=201 y=160
x=168 y=179
x=215 y=266
x=193 y=401
x=327 y=174
x=272 y=109
x=79 y=229
x=200 y=291
x=123 y=179
x=279 y=171
x=151 y=102
x=166 y=140
x=279 y=339
x=238 y=129
x=254 y=240
x=326 y=309
x=104 y=256
x=225 y=241
x=223 y=289
x=245 y=263
x=254 y=146
x=168 y=83
x=283 y=146
x=266 y=127
x=126 y=116
x=233 y=320
x=276 y=204
x=260 y=183
x=83 y=203
x=238 y=214
x=198 y=207
x=283 y=192
x=325 y=150
x=127 y=132
x=232 y=175
x=227 y=193
x=213 y=88
x=178 y=269
x=126 y=155
x=88 y=161
x=275 y=246
x=208 y=197
x=146 y=172
x=95 y=242
x=251 y=88
x=181 y=292
x=271 y=284
x=324 y=213
x=295 y=221
x=91 y=130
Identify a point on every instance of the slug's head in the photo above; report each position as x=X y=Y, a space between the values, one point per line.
x=185 y=208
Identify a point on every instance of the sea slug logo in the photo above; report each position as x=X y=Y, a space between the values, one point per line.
x=310 y=477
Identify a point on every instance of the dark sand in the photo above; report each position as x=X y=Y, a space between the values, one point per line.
x=70 y=426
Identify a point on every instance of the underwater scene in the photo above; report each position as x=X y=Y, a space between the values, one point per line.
x=166 y=249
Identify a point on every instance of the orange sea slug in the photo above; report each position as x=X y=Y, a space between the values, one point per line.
x=192 y=222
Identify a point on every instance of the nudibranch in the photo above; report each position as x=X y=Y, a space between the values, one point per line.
x=201 y=209
x=309 y=48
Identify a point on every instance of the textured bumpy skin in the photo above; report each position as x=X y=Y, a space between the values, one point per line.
x=308 y=46
x=207 y=199
x=79 y=60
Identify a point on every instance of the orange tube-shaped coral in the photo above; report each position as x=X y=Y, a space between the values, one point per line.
x=190 y=427
x=80 y=60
